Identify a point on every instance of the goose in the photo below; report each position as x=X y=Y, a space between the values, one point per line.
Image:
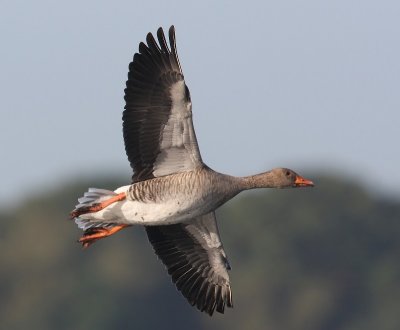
x=173 y=193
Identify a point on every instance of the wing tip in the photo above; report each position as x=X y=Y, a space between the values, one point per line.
x=171 y=30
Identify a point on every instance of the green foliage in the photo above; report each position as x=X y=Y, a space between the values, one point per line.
x=323 y=258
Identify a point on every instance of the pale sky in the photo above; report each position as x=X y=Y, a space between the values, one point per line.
x=310 y=85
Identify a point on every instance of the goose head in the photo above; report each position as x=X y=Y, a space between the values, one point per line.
x=287 y=178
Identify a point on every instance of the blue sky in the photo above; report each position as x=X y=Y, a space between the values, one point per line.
x=310 y=85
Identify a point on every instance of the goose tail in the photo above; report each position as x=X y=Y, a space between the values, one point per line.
x=93 y=200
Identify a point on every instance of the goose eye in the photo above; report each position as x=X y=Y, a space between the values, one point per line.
x=287 y=173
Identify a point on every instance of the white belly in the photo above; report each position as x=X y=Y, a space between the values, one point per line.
x=147 y=213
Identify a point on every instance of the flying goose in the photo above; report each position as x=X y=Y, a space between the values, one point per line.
x=173 y=193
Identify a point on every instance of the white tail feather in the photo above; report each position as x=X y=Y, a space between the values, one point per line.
x=98 y=191
x=85 y=224
x=92 y=196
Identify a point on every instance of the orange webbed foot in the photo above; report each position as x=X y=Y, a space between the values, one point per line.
x=94 y=234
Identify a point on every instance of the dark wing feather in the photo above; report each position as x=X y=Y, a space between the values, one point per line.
x=157 y=121
x=196 y=261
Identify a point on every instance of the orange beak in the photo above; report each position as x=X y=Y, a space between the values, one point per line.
x=301 y=182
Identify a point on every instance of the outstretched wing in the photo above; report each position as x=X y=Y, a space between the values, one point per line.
x=157 y=121
x=196 y=260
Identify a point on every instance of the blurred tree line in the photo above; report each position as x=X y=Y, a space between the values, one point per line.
x=315 y=259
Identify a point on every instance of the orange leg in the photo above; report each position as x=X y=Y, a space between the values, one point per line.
x=98 y=206
x=92 y=235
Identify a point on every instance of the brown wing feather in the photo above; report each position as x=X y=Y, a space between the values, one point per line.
x=196 y=261
x=147 y=119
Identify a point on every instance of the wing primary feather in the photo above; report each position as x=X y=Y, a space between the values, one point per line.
x=143 y=49
x=151 y=42
x=157 y=55
x=162 y=41
x=174 y=51
x=220 y=301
